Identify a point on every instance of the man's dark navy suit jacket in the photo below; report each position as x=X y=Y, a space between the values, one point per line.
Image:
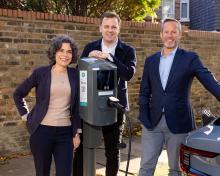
x=175 y=99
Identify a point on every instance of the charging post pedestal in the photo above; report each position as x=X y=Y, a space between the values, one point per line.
x=98 y=82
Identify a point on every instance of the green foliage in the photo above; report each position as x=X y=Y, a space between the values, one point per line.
x=135 y=10
x=37 y=5
x=127 y=9
x=12 y=4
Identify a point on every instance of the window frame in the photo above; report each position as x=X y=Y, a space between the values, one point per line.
x=186 y=19
x=173 y=10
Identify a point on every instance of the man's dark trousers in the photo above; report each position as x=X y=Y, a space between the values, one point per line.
x=112 y=135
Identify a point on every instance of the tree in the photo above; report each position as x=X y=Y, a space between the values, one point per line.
x=127 y=9
x=137 y=9
x=11 y=4
x=38 y=5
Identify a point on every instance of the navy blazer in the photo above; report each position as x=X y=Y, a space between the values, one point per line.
x=175 y=99
x=124 y=59
x=41 y=80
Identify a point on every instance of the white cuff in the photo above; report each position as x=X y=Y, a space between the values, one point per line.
x=24 y=117
x=79 y=130
x=110 y=58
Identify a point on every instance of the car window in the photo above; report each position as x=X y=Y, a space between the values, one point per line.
x=217 y=122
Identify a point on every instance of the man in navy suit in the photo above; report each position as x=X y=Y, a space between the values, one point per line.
x=165 y=109
x=112 y=49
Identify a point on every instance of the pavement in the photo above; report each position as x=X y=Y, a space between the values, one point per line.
x=24 y=166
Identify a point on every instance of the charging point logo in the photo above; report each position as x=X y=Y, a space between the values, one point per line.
x=83 y=88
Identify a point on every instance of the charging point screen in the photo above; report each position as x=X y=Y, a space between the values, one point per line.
x=105 y=80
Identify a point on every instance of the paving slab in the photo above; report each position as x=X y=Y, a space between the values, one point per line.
x=24 y=166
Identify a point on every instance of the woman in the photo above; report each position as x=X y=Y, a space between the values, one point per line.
x=54 y=122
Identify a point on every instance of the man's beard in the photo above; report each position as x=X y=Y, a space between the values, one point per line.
x=171 y=46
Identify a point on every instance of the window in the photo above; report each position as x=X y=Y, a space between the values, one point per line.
x=184 y=10
x=168 y=9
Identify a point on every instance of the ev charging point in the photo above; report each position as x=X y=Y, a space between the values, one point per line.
x=98 y=82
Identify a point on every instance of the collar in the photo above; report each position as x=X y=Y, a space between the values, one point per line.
x=113 y=45
x=171 y=53
x=98 y=44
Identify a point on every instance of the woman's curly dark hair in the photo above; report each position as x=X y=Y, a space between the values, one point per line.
x=56 y=44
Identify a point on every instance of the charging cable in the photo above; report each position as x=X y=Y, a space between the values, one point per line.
x=114 y=102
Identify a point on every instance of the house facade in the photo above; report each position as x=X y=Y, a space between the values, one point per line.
x=205 y=15
x=197 y=14
x=178 y=9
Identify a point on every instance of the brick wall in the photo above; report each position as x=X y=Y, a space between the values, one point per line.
x=24 y=39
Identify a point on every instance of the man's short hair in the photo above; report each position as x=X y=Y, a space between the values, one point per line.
x=173 y=20
x=109 y=14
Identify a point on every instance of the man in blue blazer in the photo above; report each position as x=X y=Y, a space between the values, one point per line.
x=165 y=109
x=112 y=49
